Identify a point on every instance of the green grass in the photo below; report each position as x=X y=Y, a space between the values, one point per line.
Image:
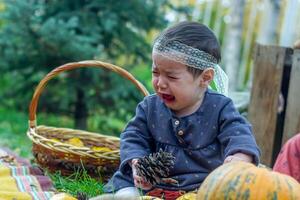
x=80 y=181
x=13 y=127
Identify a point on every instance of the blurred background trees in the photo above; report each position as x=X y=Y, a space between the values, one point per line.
x=38 y=35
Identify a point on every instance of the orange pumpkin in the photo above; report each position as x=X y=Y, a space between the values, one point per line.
x=241 y=180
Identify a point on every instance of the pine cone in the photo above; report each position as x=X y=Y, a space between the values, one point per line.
x=155 y=167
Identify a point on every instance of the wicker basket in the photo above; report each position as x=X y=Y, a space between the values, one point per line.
x=53 y=153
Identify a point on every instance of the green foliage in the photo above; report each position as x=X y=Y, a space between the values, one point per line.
x=80 y=181
x=14 y=125
x=13 y=128
x=143 y=72
x=37 y=36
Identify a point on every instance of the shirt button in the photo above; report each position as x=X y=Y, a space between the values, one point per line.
x=180 y=132
x=176 y=122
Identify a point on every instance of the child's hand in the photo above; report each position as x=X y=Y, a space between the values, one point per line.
x=239 y=157
x=139 y=181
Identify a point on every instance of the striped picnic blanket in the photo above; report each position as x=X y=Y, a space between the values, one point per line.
x=19 y=180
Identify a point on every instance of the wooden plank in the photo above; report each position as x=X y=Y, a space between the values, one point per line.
x=292 y=116
x=281 y=109
x=267 y=75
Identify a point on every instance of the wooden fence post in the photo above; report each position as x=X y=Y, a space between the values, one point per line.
x=269 y=64
x=292 y=117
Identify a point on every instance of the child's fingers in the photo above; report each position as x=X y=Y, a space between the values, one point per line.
x=228 y=159
x=235 y=158
x=134 y=161
x=138 y=180
x=169 y=181
x=141 y=183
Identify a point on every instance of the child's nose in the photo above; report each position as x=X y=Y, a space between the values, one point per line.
x=161 y=82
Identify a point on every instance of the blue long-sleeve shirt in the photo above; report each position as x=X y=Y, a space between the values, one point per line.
x=200 y=142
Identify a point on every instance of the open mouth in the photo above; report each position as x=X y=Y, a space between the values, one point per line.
x=167 y=97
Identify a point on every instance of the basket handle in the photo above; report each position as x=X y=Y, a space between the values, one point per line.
x=71 y=66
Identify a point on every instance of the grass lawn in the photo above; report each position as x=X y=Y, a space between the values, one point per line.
x=13 y=127
x=79 y=182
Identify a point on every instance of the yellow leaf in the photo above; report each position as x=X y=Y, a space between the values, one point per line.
x=62 y=196
x=187 y=196
x=55 y=140
x=149 y=198
x=76 y=142
x=105 y=149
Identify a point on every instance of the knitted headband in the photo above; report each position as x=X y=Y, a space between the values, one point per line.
x=192 y=57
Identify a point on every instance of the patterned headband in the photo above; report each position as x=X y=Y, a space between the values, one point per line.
x=192 y=57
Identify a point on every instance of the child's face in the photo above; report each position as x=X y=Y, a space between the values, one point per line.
x=178 y=89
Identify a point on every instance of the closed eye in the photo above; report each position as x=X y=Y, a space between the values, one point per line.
x=155 y=73
x=172 y=77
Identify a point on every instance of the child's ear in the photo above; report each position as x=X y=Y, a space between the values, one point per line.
x=207 y=76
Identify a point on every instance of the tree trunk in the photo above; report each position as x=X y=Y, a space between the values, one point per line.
x=81 y=112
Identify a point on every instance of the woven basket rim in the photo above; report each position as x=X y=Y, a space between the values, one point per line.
x=38 y=139
x=67 y=148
